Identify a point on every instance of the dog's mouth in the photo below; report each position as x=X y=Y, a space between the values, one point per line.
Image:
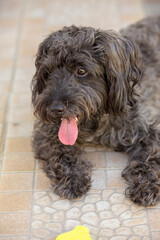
x=68 y=131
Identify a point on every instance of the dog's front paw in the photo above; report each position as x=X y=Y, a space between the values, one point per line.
x=71 y=179
x=144 y=183
x=146 y=195
x=72 y=188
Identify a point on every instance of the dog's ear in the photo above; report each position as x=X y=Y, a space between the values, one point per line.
x=42 y=65
x=122 y=71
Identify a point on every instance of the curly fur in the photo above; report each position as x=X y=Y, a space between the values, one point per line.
x=115 y=104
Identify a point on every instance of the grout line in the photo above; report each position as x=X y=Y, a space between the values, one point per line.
x=149 y=225
x=106 y=169
x=32 y=198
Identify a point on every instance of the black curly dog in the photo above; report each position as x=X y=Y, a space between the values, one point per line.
x=101 y=87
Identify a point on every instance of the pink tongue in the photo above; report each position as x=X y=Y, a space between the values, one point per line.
x=68 y=131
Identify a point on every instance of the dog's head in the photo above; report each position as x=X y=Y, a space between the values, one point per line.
x=82 y=72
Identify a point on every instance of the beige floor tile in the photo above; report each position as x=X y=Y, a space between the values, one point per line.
x=28 y=49
x=6 y=72
x=11 y=9
x=40 y=4
x=24 y=75
x=3 y=100
x=36 y=11
x=4 y=86
x=8 y=23
x=91 y=12
x=1 y=162
x=2 y=114
x=18 y=163
x=154 y=217
x=155 y=235
x=16 y=182
x=6 y=64
x=20 y=129
x=6 y=61
x=33 y=26
x=14 y=224
x=22 y=87
x=33 y=41
x=114 y=179
x=96 y=158
x=21 y=100
x=38 y=166
x=15 y=145
x=16 y=237
x=22 y=63
x=131 y=7
x=99 y=180
x=131 y=18
x=15 y=202
x=1 y=129
x=7 y=53
x=8 y=40
x=42 y=181
x=21 y=114
x=131 y=3
x=116 y=160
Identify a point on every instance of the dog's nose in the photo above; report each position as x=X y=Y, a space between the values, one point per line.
x=58 y=107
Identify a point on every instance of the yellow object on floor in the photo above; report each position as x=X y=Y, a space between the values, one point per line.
x=78 y=233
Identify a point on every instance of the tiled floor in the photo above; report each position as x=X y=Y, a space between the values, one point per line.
x=28 y=209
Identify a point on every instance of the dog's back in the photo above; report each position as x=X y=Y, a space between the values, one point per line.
x=146 y=34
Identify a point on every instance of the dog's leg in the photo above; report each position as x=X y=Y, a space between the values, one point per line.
x=142 y=143
x=143 y=171
x=66 y=166
x=69 y=171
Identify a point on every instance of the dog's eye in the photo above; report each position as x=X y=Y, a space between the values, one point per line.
x=81 y=72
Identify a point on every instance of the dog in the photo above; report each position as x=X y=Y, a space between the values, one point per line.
x=101 y=87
